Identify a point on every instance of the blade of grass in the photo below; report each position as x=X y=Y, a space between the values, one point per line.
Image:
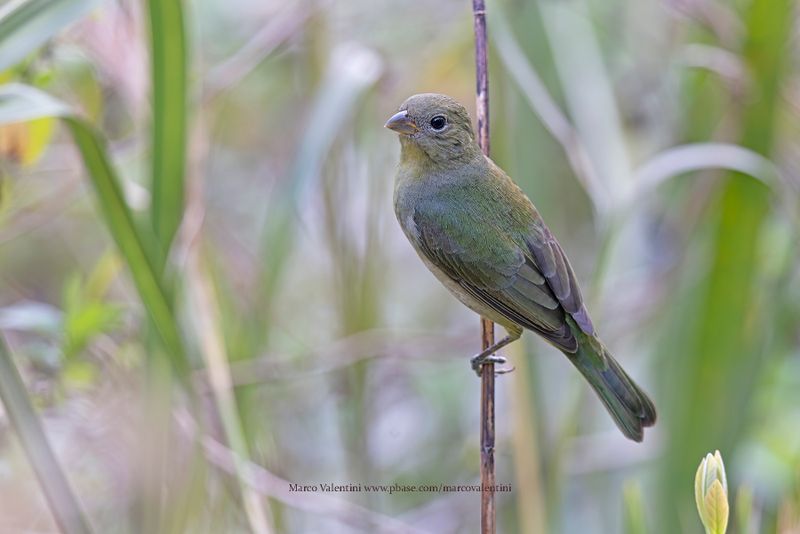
x=120 y=223
x=682 y=159
x=353 y=69
x=634 y=509
x=275 y=31
x=18 y=103
x=530 y=496
x=207 y=318
x=267 y=483
x=720 y=351
x=168 y=160
x=550 y=114
x=169 y=94
x=26 y=25
x=65 y=507
x=580 y=66
x=153 y=510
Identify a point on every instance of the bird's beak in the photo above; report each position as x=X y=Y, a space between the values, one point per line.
x=401 y=123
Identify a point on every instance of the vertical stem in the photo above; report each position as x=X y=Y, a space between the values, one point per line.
x=487 y=434
x=482 y=74
x=487 y=327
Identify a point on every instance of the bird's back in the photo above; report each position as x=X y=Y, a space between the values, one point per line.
x=472 y=229
x=468 y=200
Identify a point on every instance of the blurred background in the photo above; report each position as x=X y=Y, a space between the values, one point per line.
x=290 y=335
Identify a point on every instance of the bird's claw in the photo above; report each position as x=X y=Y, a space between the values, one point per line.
x=504 y=370
x=478 y=362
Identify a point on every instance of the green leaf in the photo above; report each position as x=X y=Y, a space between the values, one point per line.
x=168 y=153
x=715 y=508
x=85 y=316
x=634 y=516
x=168 y=57
x=79 y=374
x=65 y=507
x=724 y=319
x=699 y=490
x=352 y=71
x=26 y=25
x=20 y=102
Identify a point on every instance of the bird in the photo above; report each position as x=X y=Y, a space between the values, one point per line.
x=484 y=240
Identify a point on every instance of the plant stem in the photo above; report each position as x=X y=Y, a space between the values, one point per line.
x=482 y=74
x=487 y=327
x=487 y=434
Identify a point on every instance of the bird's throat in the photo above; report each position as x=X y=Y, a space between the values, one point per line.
x=412 y=156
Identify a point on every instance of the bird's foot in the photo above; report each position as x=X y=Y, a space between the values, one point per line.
x=479 y=361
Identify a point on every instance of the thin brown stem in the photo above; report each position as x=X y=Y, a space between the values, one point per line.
x=482 y=75
x=487 y=434
x=487 y=327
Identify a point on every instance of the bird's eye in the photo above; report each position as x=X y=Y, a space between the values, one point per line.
x=438 y=122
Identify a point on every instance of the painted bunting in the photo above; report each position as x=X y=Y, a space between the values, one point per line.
x=483 y=239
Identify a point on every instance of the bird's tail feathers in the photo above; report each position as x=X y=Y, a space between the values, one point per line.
x=629 y=406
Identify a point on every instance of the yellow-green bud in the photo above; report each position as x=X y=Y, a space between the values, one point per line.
x=711 y=494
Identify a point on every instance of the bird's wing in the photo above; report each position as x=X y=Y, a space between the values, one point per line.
x=552 y=263
x=497 y=271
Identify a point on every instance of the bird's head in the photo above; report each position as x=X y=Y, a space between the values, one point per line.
x=437 y=125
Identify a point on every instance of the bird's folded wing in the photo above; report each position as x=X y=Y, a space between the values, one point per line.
x=552 y=263
x=495 y=270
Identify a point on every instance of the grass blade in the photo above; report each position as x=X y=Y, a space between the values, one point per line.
x=120 y=223
x=633 y=517
x=19 y=102
x=720 y=349
x=26 y=25
x=208 y=321
x=580 y=64
x=67 y=512
x=531 y=506
x=168 y=160
x=168 y=62
x=352 y=71
x=520 y=70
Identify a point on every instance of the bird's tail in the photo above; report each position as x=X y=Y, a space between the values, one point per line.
x=630 y=407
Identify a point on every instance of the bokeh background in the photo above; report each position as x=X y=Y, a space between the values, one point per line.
x=659 y=140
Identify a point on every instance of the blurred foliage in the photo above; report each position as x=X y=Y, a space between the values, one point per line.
x=85 y=312
x=635 y=509
x=208 y=184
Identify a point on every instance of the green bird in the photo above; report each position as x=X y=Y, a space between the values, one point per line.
x=481 y=236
